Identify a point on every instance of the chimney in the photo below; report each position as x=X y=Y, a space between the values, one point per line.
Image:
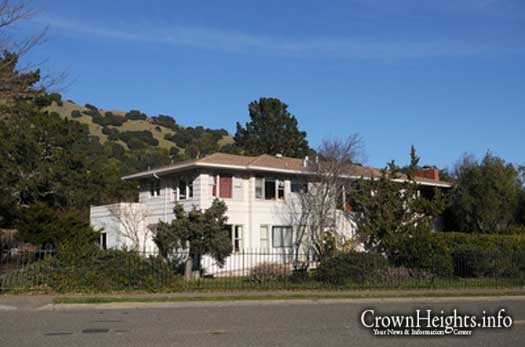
x=305 y=162
x=278 y=155
x=428 y=172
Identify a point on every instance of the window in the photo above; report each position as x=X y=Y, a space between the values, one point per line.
x=282 y=236
x=225 y=186
x=259 y=187
x=269 y=188
x=213 y=185
x=182 y=190
x=235 y=237
x=263 y=243
x=154 y=187
x=299 y=187
x=190 y=189
x=103 y=241
x=280 y=190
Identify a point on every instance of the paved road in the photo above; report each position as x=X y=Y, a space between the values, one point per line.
x=334 y=323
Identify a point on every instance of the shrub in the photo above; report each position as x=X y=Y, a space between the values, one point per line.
x=91 y=107
x=106 y=270
x=110 y=131
x=265 y=272
x=354 y=267
x=135 y=115
x=425 y=253
x=113 y=119
x=76 y=114
x=165 y=121
x=399 y=274
x=144 y=136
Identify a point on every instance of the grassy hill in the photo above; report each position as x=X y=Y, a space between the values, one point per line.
x=134 y=129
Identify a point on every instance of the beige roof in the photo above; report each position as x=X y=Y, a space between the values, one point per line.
x=264 y=162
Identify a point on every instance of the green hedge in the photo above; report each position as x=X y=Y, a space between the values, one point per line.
x=110 y=270
x=351 y=267
x=465 y=255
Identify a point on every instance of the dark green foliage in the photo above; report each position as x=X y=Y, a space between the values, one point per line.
x=57 y=98
x=425 y=253
x=76 y=114
x=486 y=195
x=165 y=121
x=197 y=141
x=205 y=231
x=135 y=115
x=41 y=225
x=17 y=86
x=91 y=107
x=231 y=148
x=111 y=132
x=100 y=271
x=351 y=267
x=108 y=118
x=464 y=255
x=271 y=130
x=394 y=211
x=138 y=139
x=113 y=119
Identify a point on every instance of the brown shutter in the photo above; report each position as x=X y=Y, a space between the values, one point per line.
x=225 y=186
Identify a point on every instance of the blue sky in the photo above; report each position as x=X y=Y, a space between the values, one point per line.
x=446 y=76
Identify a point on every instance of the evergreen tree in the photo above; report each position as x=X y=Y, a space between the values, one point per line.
x=388 y=211
x=486 y=194
x=272 y=130
x=204 y=232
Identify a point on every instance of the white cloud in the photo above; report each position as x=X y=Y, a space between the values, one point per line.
x=206 y=38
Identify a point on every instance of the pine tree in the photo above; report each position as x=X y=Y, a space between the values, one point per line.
x=272 y=130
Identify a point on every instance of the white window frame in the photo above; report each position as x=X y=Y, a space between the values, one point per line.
x=279 y=184
x=237 y=237
x=264 y=237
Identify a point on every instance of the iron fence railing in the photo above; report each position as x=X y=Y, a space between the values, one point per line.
x=112 y=270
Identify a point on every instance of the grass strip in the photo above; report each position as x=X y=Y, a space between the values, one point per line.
x=222 y=298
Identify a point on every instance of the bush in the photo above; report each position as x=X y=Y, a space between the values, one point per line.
x=353 y=267
x=91 y=107
x=135 y=115
x=165 y=121
x=400 y=274
x=110 y=131
x=76 y=114
x=265 y=272
x=144 y=136
x=464 y=255
x=424 y=253
x=107 y=270
x=113 y=119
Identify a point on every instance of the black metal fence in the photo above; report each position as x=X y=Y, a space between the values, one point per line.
x=114 y=270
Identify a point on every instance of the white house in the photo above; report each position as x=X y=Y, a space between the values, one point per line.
x=258 y=191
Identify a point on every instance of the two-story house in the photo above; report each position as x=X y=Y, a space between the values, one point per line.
x=256 y=189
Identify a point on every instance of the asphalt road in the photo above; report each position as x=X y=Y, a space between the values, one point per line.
x=334 y=323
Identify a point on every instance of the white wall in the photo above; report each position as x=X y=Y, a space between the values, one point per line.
x=243 y=209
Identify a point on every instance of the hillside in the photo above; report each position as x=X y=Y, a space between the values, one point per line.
x=134 y=130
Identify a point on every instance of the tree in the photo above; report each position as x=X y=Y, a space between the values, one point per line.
x=199 y=232
x=132 y=218
x=388 y=209
x=313 y=209
x=486 y=194
x=272 y=130
x=47 y=227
